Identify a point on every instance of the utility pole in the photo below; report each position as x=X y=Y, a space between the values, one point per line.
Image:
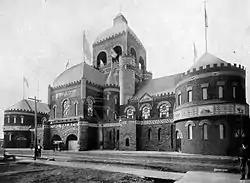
x=35 y=131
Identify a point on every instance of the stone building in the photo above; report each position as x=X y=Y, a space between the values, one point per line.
x=115 y=104
x=19 y=124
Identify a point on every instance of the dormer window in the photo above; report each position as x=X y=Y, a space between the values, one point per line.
x=164 y=111
x=146 y=112
x=130 y=113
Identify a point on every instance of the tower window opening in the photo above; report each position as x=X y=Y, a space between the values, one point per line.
x=54 y=111
x=222 y=131
x=127 y=141
x=149 y=134
x=221 y=91
x=190 y=132
x=204 y=93
x=190 y=96
x=101 y=59
x=205 y=136
x=76 y=109
x=234 y=91
x=179 y=99
x=159 y=134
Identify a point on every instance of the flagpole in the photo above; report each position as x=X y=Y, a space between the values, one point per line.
x=23 y=87
x=206 y=25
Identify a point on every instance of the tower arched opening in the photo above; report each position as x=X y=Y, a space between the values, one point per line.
x=101 y=59
x=133 y=53
x=118 y=51
x=141 y=64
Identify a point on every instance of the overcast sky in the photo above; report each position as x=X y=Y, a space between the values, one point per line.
x=38 y=36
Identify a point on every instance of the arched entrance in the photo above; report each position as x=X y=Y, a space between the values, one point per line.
x=178 y=140
x=21 y=142
x=71 y=142
x=56 y=142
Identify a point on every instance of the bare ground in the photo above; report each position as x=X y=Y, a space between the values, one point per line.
x=33 y=173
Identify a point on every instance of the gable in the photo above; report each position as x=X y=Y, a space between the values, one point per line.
x=146 y=98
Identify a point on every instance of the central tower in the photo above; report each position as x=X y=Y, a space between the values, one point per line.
x=130 y=61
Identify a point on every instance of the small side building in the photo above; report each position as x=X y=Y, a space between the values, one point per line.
x=19 y=124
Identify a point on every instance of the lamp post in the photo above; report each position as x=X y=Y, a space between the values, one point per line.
x=35 y=132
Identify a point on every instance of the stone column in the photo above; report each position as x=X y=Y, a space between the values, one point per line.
x=82 y=135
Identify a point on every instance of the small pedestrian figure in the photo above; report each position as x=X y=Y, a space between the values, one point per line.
x=39 y=150
x=244 y=156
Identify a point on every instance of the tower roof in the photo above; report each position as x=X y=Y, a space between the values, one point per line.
x=207 y=59
x=29 y=106
x=74 y=73
x=120 y=25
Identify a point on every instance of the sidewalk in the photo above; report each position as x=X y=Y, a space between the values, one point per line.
x=135 y=171
x=209 y=177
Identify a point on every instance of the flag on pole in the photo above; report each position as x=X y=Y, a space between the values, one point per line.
x=206 y=22
x=67 y=64
x=195 y=53
x=25 y=81
x=85 y=48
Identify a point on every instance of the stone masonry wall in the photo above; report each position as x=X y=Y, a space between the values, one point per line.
x=160 y=138
x=128 y=131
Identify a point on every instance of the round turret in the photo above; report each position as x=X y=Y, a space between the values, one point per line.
x=210 y=105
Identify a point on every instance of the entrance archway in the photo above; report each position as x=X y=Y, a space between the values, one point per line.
x=71 y=142
x=178 y=140
x=56 y=142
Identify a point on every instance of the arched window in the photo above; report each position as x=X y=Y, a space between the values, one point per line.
x=164 y=111
x=90 y=106
x=190 y=132
x=110 y=135
x=149 y=134
x=205 y=136
x=159 y=134
x=146 y=112
x=222 y=131
x=133 y=52
x=127 y=141
x=118 y=52
x=76 y=108
x=221 y=91
x=65 y=108
x=141 y=63
x=54 y=111
x=101 y=59
x=117 y=135
x=130 y=113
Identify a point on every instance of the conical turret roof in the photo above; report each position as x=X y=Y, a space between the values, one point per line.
x=207 y=59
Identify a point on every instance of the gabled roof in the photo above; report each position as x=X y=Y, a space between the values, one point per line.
x=29 y=106
x=160 y=85
x=75 y=74
x=207 y=59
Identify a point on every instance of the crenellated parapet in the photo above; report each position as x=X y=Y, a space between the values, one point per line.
x=215 y=68
x=147 y=75
x=78 y=82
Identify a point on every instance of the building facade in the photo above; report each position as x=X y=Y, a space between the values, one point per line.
x=19 y=124
x=115 y=103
